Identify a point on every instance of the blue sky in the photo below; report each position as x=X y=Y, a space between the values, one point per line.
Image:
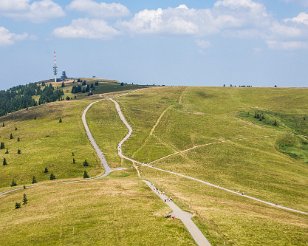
x=170 y=42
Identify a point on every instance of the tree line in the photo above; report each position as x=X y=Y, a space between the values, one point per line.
x=20 y=97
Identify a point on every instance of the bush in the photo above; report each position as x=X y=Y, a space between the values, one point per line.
x=17 y=205
x=85 y=175
x=11 y=136
x=18 y=151
x=46 y=170
x=13 y=183
x=34 y=180
x=85 y=163
x=2 y=145
x=4 y=162
x=52 y=176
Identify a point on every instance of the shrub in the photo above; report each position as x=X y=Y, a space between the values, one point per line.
x=17 y=205
x=46 y=170
x=52 y=176
x=85 y=163
x=2 y=145
x=18 y=151
x=34 y=180
x=11 y=136
x=4 y=162
x=85 y=175
x=13 y=183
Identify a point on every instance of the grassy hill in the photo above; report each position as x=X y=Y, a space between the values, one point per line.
x=228 y=149
x=118 y=210
x=44 y=142
x=208 y=133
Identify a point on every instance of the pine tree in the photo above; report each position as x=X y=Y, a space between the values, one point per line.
x=60 y=120
x=18 y=151
x=18 y=139
x=4 y=162
x=13 y=183
x=16 y=128
x=74 y=161
x=3 y=125
x=46 y=170
x=85 y=163
x=52 y=176
x=24 y=200
x=34 y=180
x=17 y=205
x=7 y=151
x=11 y=136
x=85 y=175
x=2 y=145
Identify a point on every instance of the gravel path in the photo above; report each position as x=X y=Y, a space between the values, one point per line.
x=176 y=211
x=98 y=151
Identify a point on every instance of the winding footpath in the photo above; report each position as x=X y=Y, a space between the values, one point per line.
x=98 y=151
x=178 y=213
x=130 y=130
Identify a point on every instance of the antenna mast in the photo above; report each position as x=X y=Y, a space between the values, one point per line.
x=55 y=68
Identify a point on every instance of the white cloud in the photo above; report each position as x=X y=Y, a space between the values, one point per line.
x=284 y=30
x=203 y=44
x=8 y=38
x=13 y=5
x=36 y=11
x=227 y=18
x=101 y=10
x=241 y=4
x=86 y=28
x=301 y=18
x=225 y=14
x=179 y=20
x=287 y=45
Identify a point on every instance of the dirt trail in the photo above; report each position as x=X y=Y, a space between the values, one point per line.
x=177 y=212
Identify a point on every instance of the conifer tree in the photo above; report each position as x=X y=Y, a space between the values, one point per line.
x=52 y=176
x=7 y=151
x=17 y=205
x=18 y=151
x=2 y=145
x=85 y=175
x=74 y=161
x=11 y=136
x=46 y=170
x=13 y=183
x=60 y=120
x=4 y=162
x=85 y=163
x=34 y=180
x=24 y=200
